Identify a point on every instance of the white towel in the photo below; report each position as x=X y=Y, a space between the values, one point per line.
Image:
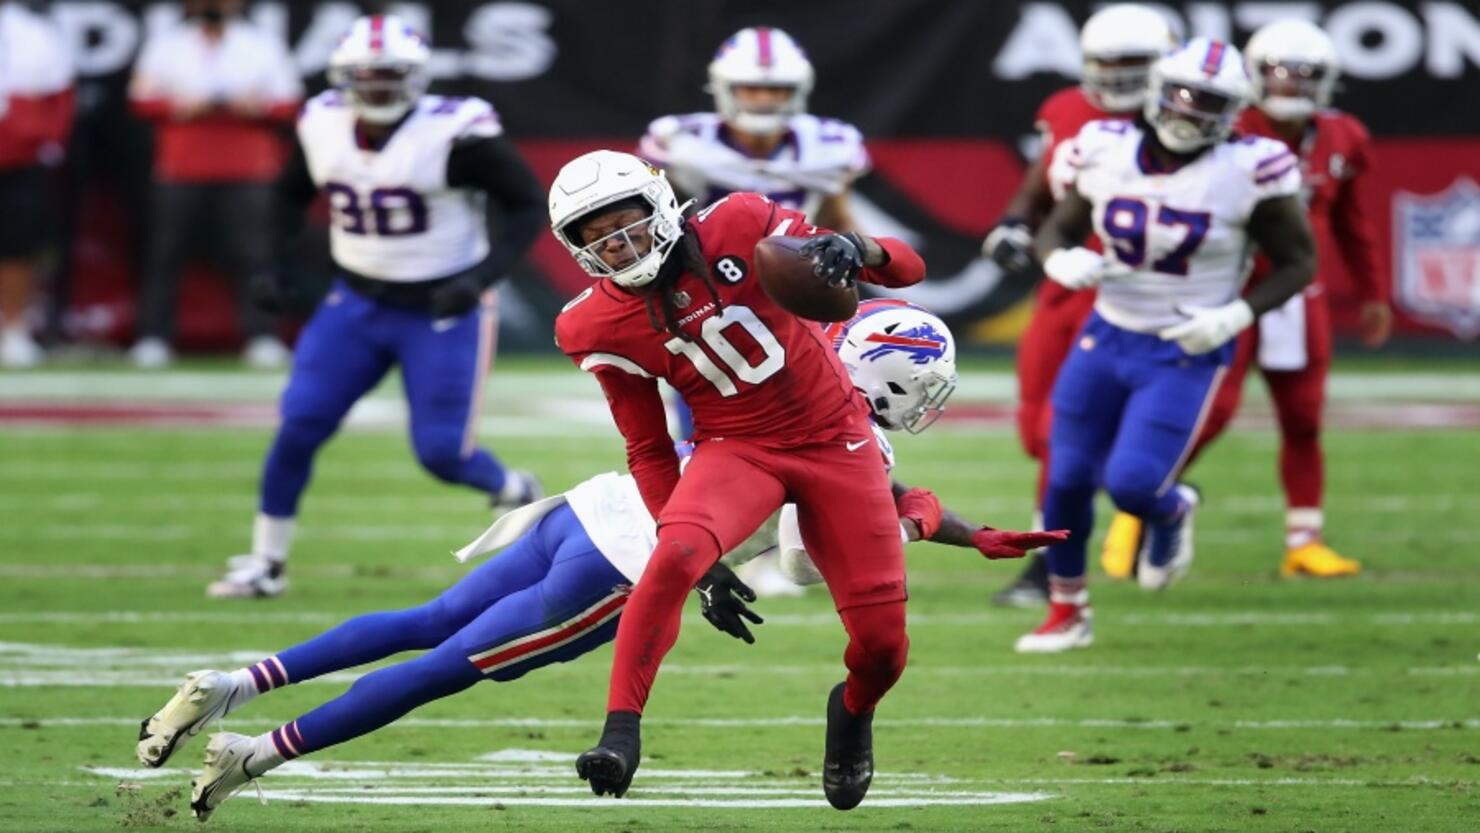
x=1282 y=336
x=507 y=529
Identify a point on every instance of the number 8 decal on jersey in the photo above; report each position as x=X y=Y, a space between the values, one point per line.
x=712 y=332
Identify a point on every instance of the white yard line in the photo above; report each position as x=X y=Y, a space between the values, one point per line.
x=506 y=383
x=244 y=503
x=32 y=658
x=1227 y=618
x=446 y=534
x=813 y=721
x=623 y=804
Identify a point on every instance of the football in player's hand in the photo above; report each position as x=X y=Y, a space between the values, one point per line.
x=786 y=275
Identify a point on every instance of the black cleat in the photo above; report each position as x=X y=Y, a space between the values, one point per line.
x=1030 y=589
x=848 y=765
x=610 y=765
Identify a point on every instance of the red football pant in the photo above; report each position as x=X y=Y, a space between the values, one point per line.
x=847 y=517
x=1299 y=396
x=1058 y=315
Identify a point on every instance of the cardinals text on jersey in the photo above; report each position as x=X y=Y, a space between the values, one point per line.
x=394 y=217
x=1182 y=231
x=819 y=158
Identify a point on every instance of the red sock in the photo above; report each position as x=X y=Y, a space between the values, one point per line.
x=1298 y=400
x=651 y=618
x=876 y=653
x=1302 y=468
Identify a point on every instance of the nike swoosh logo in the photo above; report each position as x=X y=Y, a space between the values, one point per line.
x=857 y=445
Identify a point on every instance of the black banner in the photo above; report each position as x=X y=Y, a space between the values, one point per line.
x=892 y=67
x=944 y=91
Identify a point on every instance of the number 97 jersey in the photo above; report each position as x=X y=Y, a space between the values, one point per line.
x=747 y=367
x=1182 y=231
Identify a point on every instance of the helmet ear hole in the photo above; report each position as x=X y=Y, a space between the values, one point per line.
x=881 y=404
x=896 y=389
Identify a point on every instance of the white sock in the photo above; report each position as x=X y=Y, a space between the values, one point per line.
x=1303 y=526
x=272 y=537
x=265 y=755
x=514 y=485
x=1068 y=591
x=244 y=689
x=257 y=679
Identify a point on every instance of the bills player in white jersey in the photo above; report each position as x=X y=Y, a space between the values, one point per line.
x=1179 y=204
x=760 y=138
x=556 y=589
x=407 y=176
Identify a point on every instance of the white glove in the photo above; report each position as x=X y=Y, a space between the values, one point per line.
x=1208 y=328
x=1080 y=268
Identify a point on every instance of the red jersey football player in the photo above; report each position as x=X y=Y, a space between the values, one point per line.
x=1118 y=44
x=1294 y=67
x=775 y=419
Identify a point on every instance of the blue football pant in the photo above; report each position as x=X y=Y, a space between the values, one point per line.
x=549 y=597
x=349 y=345
x=1126 y=411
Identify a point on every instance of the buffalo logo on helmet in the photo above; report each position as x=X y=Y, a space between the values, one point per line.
x=921 y=344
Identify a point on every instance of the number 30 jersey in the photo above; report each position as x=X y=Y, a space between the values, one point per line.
x=748 y=367
x=393 y=215
x=1182 y=231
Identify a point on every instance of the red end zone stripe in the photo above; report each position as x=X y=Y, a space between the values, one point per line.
x=535 y=643
x=903 y=341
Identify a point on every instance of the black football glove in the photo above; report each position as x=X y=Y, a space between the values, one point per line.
x=266 y=292
x=1010 y=246
x=722 y=597
x=457 y=297
x=836 y=258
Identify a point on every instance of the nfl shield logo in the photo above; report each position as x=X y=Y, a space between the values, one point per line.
x=1436 y=256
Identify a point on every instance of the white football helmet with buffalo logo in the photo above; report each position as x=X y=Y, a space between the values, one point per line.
x=762 y=56
x=600 y=179
x=1196 y=93
x=902 y=358
x=381 y=68
x=1294 y=67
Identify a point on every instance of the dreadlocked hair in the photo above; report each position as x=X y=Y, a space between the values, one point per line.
x=690 y=258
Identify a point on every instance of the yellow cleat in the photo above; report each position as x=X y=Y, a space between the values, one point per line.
x=1318 y=560
x=1122 y=542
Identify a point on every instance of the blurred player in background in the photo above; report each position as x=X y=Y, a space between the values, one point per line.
x=407 y=176
x=1178 y=204
x=760 y=138
x=1294 y=68
x=36 y=110
x=218 y=89
x=1118 y=44
x=556 y=590
x=775 y=416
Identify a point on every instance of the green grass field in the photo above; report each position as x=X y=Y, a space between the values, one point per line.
x=1234 y=702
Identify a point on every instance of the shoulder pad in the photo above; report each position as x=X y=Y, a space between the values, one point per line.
x=1099 y=135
